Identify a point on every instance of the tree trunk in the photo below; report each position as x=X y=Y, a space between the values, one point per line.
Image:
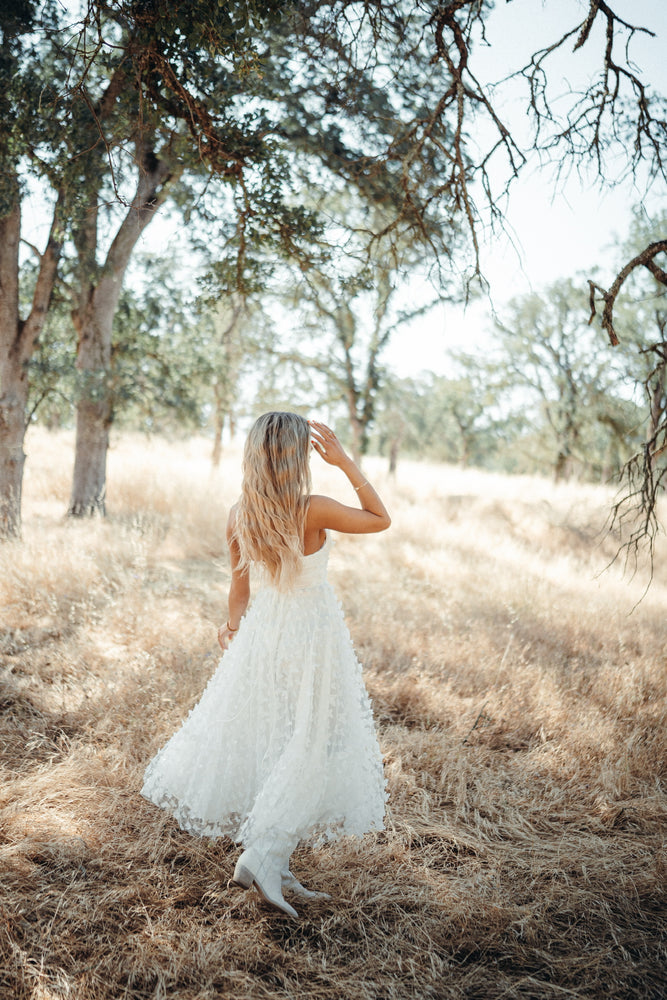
x=226 y=319
x=94 y=409
x=465 y=439
x=13 y=403
x=357 y=437
x=218 y=427
x=394 y=448
x=17 y=344
x=94 y=323
x=13 y=381
x=656 y=391
x=90 y=463
x=610 y=462
x=562 y=466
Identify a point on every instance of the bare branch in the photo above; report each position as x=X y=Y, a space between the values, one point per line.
x=617 y=108
x=645 y=259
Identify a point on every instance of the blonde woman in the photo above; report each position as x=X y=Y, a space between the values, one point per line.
x=282 y=746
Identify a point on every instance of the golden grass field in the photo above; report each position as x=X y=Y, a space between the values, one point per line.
x=521 y=713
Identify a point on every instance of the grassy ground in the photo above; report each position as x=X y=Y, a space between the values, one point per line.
x=521 y=712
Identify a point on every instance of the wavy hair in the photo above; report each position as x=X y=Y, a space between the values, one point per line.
x=271 y=514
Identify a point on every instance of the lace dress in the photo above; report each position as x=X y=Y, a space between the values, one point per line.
x=282 y=740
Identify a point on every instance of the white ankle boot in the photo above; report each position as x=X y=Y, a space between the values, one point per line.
x=262 y=869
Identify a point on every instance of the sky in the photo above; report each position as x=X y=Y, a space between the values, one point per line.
x=556 y=232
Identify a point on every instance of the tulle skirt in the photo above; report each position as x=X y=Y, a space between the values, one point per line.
x=283 y=738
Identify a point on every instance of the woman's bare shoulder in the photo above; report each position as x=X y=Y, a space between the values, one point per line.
x=317 y=504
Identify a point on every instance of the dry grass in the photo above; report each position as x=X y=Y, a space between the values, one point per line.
x=521 y=713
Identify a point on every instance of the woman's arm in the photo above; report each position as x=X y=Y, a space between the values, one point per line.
x=239 y=589
x=323 y=512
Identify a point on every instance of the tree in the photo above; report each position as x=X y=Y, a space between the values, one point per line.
x=642 y=317
x=22 y=133
x=547 y=359
x=445 y=419
x=344 y=307
x=96 y=111
x=133 y=96
x=345 y=325
x=151 y=91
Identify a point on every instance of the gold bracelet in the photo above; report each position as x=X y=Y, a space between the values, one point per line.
x=230 y=629
x=365 y=483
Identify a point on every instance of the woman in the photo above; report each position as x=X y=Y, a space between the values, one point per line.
x=282 y=746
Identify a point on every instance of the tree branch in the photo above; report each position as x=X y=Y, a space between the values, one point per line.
x=46 y=278
x=645 y=259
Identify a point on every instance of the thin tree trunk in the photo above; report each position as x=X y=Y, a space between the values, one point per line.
x=226 y=318
x=94 y=322
x=394 y=448
x=357 y=431
x=18 y=339
x=13 y=402
x=93 y=420
x=13 y=380
x=656 y=390
x=562 y=466
x=218 y=427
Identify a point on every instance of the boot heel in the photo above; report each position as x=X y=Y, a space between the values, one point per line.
x=252 y=869
x=242 y=877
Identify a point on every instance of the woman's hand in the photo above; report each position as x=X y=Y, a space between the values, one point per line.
x=327 y=445
x=225 y=636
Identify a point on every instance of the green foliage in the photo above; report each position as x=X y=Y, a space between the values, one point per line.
x=555 y=367
x=158 y=358
x=157 y=366
x=52 y=373
x=549 y=396
x=30 y=118
x=442 y=419
x=564 y=395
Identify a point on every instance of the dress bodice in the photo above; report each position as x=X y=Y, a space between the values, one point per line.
x=313 y=571
x=314 y=568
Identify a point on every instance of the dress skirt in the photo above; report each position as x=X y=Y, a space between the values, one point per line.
x=282 y=740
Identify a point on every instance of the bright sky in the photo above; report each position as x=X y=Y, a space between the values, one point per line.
x=558 y=233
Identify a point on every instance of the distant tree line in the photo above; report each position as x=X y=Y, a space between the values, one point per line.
x=541 y=398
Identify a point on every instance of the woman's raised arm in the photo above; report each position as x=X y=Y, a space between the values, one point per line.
x=324 y=512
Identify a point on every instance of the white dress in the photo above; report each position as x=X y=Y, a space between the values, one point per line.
x=282 y=742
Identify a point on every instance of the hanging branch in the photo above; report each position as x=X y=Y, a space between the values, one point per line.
x=646 y=259
x=642 y=478
x=616 y=106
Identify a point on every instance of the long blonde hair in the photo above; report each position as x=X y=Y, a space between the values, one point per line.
x=271 y=514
